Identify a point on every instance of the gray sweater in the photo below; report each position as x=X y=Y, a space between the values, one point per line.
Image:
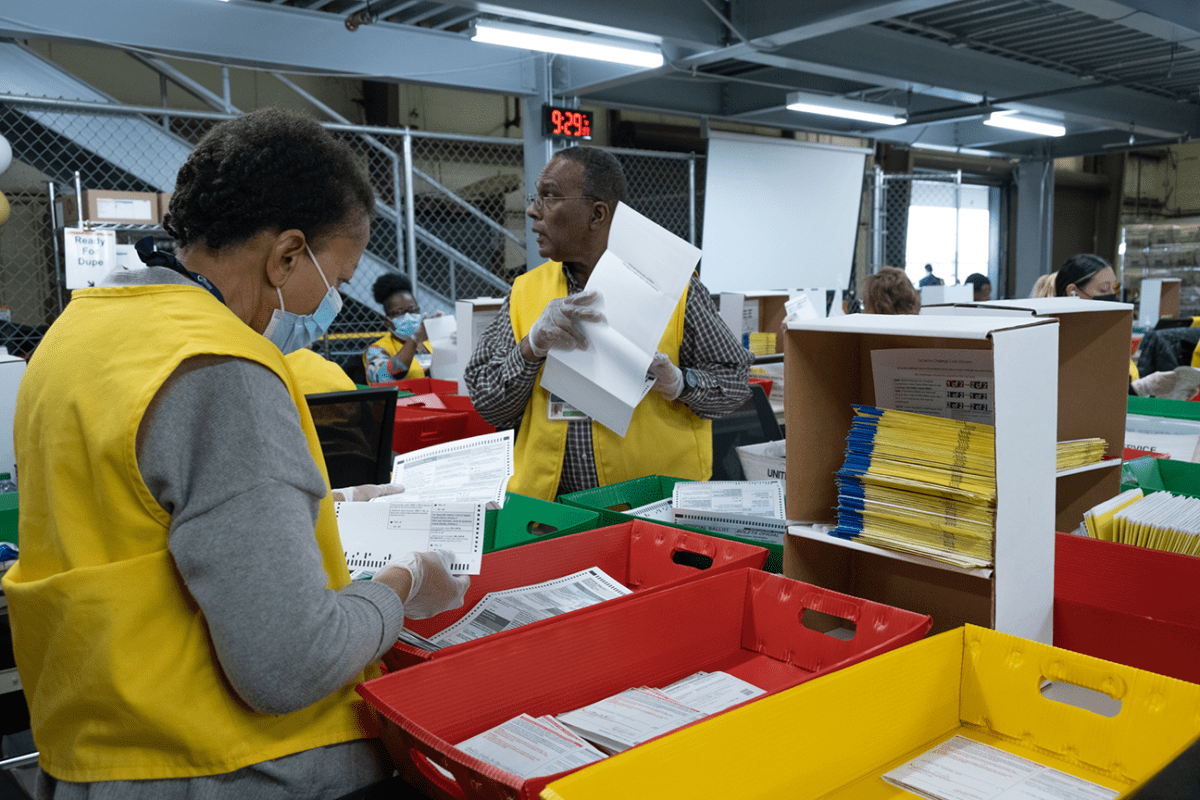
x=222 y=450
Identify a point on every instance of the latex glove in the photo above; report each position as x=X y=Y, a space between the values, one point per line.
x=557 y=328
x=358 y=494
x=434 y=589
x=668 y=378
x=1179 y=384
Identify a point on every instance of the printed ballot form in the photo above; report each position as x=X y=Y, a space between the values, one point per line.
x=640 y=278
x=474 y=470
x=963 y=769
x=375 y=534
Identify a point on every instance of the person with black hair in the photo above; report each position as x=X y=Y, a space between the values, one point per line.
x=700 y=372
x=930 y=279
x=1088 y=276
x=183 y=618
x=399 y=354
x=981 y=286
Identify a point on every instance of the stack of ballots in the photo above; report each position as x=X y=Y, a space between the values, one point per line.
x=919 y=484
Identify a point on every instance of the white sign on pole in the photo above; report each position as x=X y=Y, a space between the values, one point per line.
x=90 y=255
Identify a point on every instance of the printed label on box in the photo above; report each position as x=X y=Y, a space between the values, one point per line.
x=122 y=208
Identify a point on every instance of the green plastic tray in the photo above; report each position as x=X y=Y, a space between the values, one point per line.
x=527 y=519
x=613 y=500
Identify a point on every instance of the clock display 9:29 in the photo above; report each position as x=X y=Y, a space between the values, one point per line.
x=566 y=123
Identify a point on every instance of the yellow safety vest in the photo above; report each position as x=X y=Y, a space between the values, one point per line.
x=114 y=654
x=316 y=374
x=391 y=345
x=664 y=438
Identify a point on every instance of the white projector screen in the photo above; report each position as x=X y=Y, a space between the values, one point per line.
x=779 y=213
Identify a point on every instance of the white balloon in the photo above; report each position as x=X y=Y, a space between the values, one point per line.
x=5 y=154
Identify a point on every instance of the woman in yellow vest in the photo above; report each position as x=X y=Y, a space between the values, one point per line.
x=398 y=355
x=182 y=615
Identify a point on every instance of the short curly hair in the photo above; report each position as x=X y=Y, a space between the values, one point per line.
x=388 y=284
x=889 y=291
x=603 y=177
x=266 y=170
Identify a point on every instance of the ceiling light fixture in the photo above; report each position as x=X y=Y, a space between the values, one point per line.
x=1009 y=120
x=619 y=51
x=845 y=108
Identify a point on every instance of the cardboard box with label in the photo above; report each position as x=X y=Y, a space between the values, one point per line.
x=103 y=205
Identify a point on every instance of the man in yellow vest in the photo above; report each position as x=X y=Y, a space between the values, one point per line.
x=701 y=371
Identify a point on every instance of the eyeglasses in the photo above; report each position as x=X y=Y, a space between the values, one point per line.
x=541 y=201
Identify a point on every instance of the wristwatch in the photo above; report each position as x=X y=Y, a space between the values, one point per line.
x=689 y=381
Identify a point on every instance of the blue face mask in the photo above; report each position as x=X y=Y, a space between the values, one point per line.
x=406 y=325
x=290 y=331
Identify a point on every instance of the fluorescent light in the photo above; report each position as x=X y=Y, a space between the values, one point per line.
x=845 y=108
x=1008 y=119
x=637 y=54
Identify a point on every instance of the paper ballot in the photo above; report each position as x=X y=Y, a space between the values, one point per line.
x=472 y=470
x=374 y=534
x=640 y=278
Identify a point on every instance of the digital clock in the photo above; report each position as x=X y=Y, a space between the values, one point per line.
x=566 y=123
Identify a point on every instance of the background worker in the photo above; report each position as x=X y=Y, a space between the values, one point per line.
x=182 y=615
x=398 y=355
x=980 y=285
x=929 y=278
x=889 y=291
x=701 y=372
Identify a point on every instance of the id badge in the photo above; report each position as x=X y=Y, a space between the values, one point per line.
x=560 y=410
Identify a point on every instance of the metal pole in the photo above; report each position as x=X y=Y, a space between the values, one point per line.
x=396 y=190
x=410 y=217
x=58 y=278
x=957 y=217
x=877 y=236
x=225 y=88
x=692 y=199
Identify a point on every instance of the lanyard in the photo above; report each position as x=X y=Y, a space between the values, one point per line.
x=157 y=258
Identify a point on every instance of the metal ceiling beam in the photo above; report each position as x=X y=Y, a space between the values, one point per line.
x=1169 y=20
x=299 y=41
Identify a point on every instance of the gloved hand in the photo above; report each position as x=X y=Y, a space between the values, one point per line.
x=557 y=327
x=1180 y=384
x=434 y=589
x=668 y=378
x=358 y=494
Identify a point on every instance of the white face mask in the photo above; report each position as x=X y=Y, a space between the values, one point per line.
x=290 y=331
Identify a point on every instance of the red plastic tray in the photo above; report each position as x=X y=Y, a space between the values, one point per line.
x=1128 y=604
x=423 y=385
x=418 y=426
x=642 y=555
x=746 y=622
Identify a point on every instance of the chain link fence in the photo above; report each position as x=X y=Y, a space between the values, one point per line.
x=464 y=196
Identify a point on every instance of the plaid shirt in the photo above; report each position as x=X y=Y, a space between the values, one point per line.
x=501 y=381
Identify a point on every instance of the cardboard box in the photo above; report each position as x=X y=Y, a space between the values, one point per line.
x=833 y=738
x=641 y=555
x=614 y=500
x=103 y=205
x=931 y=295
x=164 y=204
x=1093 y=369
x=472 y=317
x=829 y=368
x=1159 y=297
x=525 y=520
x=753 y=312
x=757 y=626
x=1128 y=604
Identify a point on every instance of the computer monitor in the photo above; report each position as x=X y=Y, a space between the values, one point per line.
x=355 y=429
